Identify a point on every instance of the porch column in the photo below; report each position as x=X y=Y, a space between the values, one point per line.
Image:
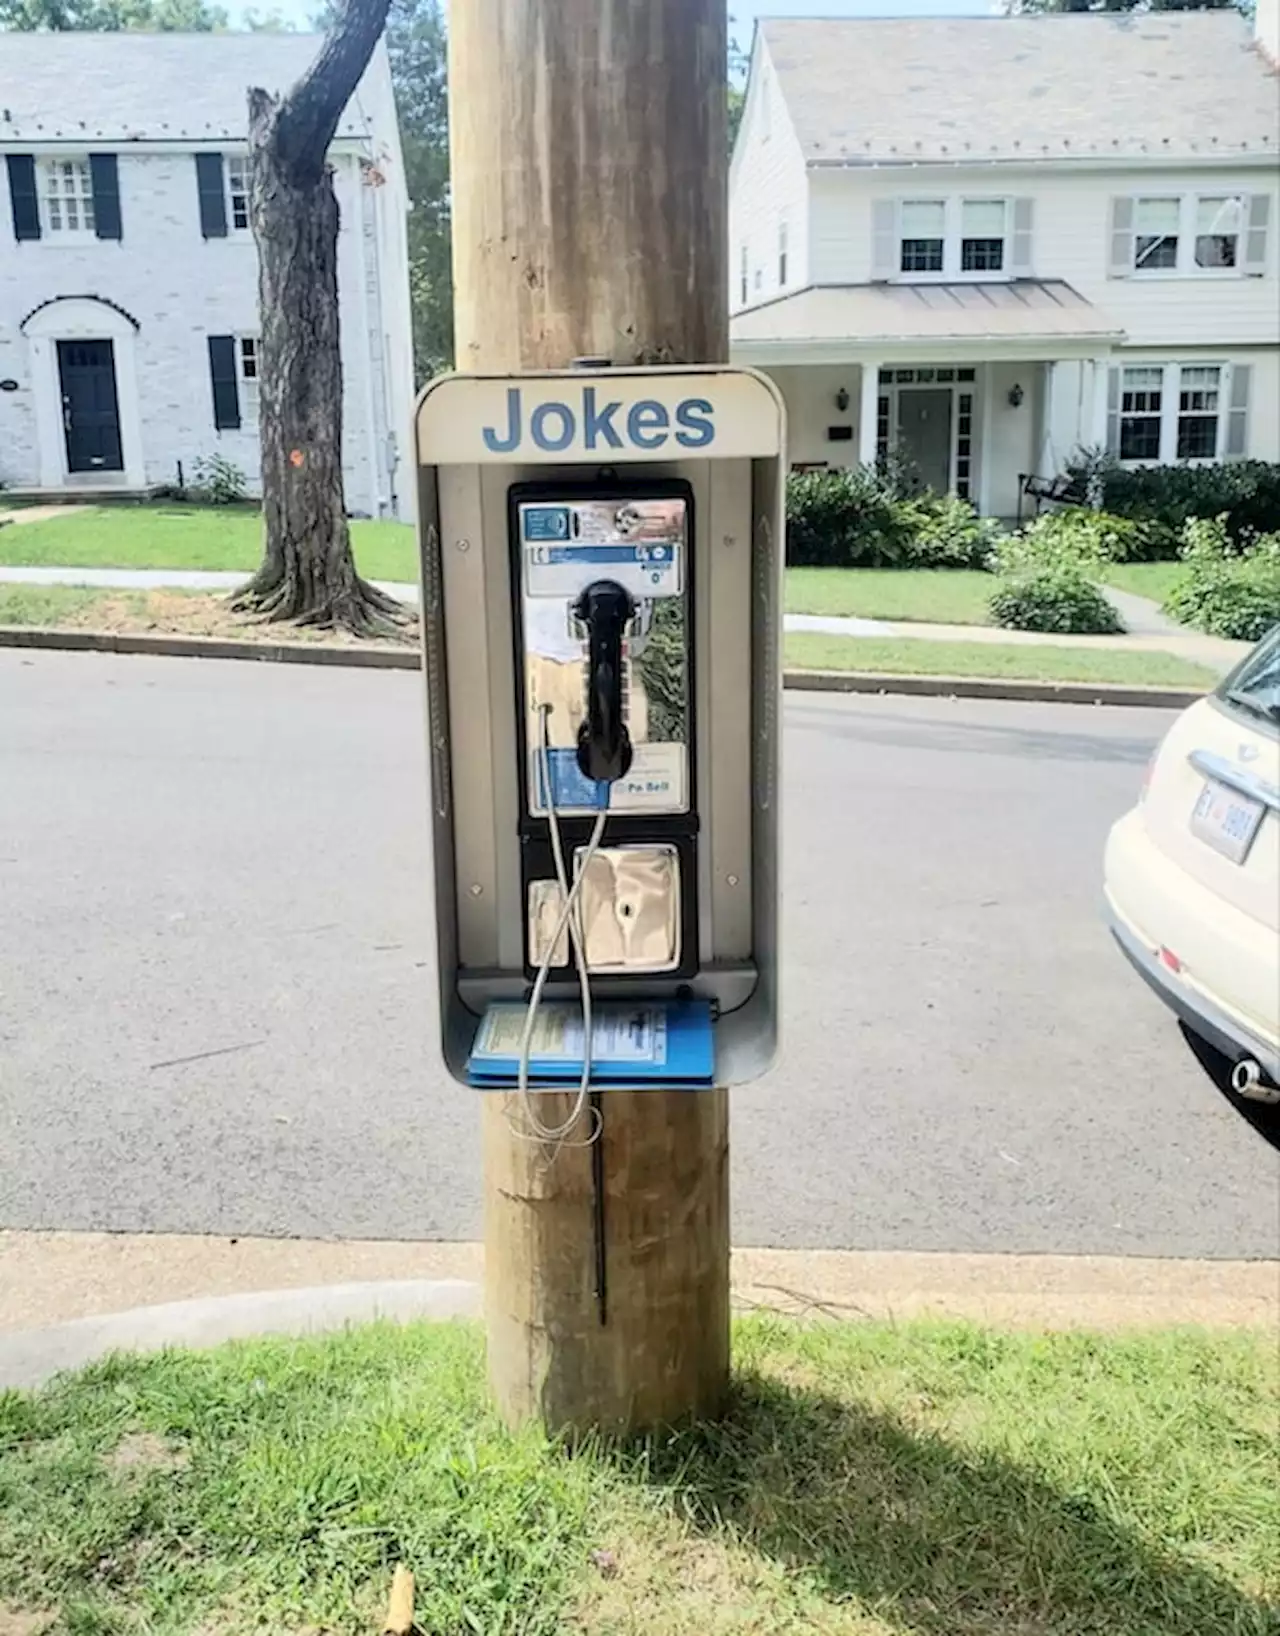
x=1095 y=433
x=869 y=414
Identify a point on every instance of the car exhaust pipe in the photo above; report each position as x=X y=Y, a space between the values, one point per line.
x=1247 y=1080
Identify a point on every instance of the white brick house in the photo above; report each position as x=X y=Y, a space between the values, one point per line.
x=987 y=241
x=128 y=274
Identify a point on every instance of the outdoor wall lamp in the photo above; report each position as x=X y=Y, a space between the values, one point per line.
x=842 y=400
x=1016 y=395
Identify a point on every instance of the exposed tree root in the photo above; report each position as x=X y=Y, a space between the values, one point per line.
x=358 y=608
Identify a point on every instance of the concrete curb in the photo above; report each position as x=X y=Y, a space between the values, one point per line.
x=30 y=1357
x=366 y=656
x=991 y=687
x=360 y=654
x=70 y=1297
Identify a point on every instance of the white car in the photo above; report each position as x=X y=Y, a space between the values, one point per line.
x=1193 y=872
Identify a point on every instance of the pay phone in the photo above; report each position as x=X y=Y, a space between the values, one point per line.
x=601 y=573
x=603 y=576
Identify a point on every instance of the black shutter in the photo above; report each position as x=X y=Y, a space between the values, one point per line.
x=106 y=195
x=213 y=198
x=22 y=196
x=226 y=394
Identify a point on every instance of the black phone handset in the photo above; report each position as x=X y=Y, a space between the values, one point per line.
x=604 y=745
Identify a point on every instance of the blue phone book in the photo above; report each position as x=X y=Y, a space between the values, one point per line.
x=634 y=1043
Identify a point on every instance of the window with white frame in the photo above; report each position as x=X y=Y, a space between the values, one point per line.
x=1199 y=396
x=782 y=254
x=1218 y=221
x=983 y=226
x=247 y=368
x=1175 y=411
x=66 y=187
x=744 y=276
x=951 y=238
x=1141 y=408
x=922 y=235
x=1155 y=229
x=1190 y=234
x=238 y=193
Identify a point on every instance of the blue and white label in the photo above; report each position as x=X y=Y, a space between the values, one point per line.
x=638 y=543
x=656 y=782
x=597 y=422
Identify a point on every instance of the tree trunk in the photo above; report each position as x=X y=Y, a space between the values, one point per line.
x=308 y=574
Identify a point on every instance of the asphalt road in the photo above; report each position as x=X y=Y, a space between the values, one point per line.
x=215 y=985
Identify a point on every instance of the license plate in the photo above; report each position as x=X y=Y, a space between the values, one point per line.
x=1226 y=820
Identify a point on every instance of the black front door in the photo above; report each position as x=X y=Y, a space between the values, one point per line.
x=90 y=412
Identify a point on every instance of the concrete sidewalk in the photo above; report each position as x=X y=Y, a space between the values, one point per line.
x=1149 y=633
x=68 y=1297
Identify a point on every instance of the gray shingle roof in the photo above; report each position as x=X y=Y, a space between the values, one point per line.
x=883 y=91
x=146 y=87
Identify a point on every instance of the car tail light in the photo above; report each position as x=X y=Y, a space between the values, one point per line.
x=1169 y=958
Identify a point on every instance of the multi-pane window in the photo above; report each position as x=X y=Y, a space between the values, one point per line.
x=1218 y=231
x=964 y=445
x=1198 y=397
x=922 y=234
x=782 y=255
x=247 y=365
x=68 y=196
x=1155 y=241
x=238 y=192
x=1141 y=401
x=982 y=234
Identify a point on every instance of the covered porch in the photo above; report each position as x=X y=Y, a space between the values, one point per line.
x=998 y=381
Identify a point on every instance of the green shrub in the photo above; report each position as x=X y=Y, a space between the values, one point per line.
x=1059 y=599
x=845 y=519
x=1166 y=498
x=948 y=533
x=863 y=519
x=1048 y=572
x=1077 y=539
x=1226 y=591
x=218 y=481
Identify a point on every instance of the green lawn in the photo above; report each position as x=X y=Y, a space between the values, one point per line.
x=910 y=1479
x=901 y=656
x=1150 y=579
x=176 y=536
x=943 y=596
x=44 y=604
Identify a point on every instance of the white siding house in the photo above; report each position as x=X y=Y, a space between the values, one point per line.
x=128 y=274
x=1010 y=237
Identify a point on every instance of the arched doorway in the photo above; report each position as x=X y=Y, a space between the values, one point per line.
x=85 y=387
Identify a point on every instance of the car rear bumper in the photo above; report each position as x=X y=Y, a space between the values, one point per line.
x=1211 y=1022
x=1227 y=1033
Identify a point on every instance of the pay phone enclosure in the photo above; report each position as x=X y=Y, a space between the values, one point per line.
x=639 y=903
x=694 y=857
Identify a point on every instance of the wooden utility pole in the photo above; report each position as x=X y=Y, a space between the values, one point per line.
x=589 y=163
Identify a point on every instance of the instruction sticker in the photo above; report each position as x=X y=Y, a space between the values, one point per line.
x=635 y=1035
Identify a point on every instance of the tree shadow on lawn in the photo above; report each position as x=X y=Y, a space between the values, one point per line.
x=934 y=1539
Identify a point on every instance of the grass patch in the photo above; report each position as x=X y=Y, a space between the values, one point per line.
x=177 y=536
x=45 y=604
x=907 y=656
x=1150 y=579
x=940 y=596
x=171 y=611
x=869 y=1480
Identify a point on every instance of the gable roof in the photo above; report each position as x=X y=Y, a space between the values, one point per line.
x=881 y=91
x=133 y=87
